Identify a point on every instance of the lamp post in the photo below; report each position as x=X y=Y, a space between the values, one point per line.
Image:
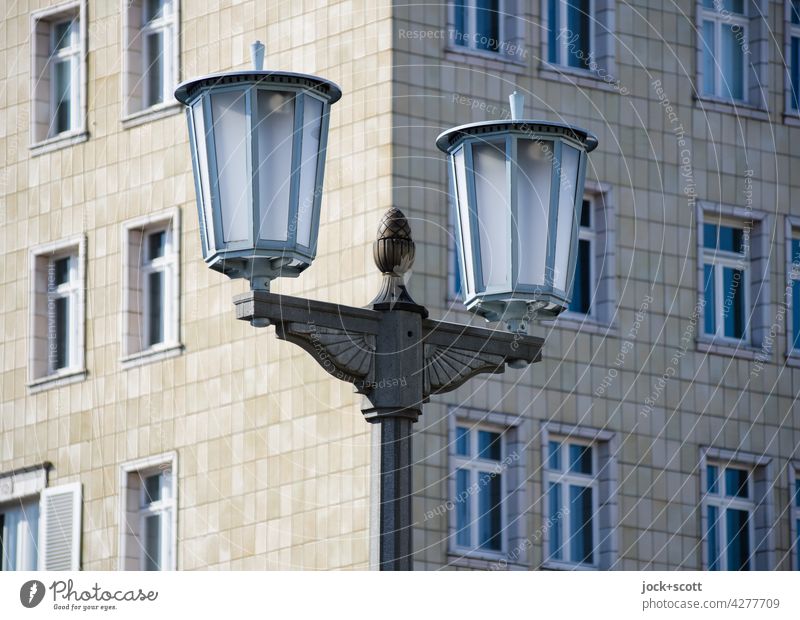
x=258 y=151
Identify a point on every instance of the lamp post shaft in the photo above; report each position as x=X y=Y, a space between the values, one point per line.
x=391 y=509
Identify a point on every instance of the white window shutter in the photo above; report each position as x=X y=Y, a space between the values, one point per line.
x=60 y=528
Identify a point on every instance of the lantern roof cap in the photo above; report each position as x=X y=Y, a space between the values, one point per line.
x=186 y=91
x=448 y=139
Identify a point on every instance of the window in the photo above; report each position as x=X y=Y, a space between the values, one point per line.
x=151 y=285
x=480 y=509
x=725 y=287
x=580 y=35
x=579 y=505
x=729 y=517
x=148 y=493
x=794 y=503
x=736 y=512
x=57 y=311
x=793 y=54
x=58 y=73
x=19 y=532
x=733 y=279
x=732 y=56
x=150 y=34
x=478 y=24
x=572 y=495
x=584 y=281
x=793 y=288
x=570 y=29
x=28 y=540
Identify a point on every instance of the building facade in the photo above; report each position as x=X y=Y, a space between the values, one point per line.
x=143 y=427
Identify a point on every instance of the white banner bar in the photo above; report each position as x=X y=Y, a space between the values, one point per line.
x=228 y=595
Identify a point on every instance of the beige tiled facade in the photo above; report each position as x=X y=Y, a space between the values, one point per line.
x=273 y=454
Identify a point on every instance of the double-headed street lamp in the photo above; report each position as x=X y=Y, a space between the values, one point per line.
x=258 y=150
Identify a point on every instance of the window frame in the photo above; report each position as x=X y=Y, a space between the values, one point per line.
x=794 y=514
x=70 y=292
x=134 y=83
x=470 y=28
x=134 y=319
x=758 y=280
x=70 y=54
x=141 y=468
x=718 y=19
x=721 y=260
x=475 y=466
x=723 y=502
x=562 y=53
x=792 y=275
x=40 y=373
x=566 y=478
x=42 y=138
x=605 y=499
x=792 y=32
x=588 y=233
x=761 y=489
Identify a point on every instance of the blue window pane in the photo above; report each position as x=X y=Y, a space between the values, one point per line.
x=796 y=313
x=553 y=30
x=731 y=239
x=155 y=307
x=63 y=96
x=581 y=545
x=578 y=33
x=713 y=538
x=489 y=445
x=732 y=61
x=736 y=482
x=63 y=34
x=709 y=63
x=708 y=4
x=457 y=285
x=711 y=476
x=487 y=19
x=61 y=271
x=554 y=455
x=734 y=6
x=738 y=544
x=586 y=214
x=794 y=69
x=462 y=508
x=460 y=11
x=60 y=346
x=733 y=312
x=580 y=459
x=795 y=11
x=490 y=511
x=797 y=493
x=709 y=291
x=556 y=521
x=582 y=285
x=797 y=543
x=462 y=441
x=795 y=258
x=709 y=236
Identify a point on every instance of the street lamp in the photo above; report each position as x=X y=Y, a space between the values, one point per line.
x=258 y=153
x=517 y=188
x=392 y=353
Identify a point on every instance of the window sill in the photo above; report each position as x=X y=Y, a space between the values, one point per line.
x=793 y=359
x=488 y=60
x=792 y=118
x=62 y=140
x=481 y=560
x=729 y=349
x=726 y=106
x=582 y=323
x=578 y=77
x=58 y=379
x=153 y=354
x=566 y=566
x=148 y=115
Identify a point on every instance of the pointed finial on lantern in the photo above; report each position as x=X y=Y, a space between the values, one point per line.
x=517 y=102
x=257 y=55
